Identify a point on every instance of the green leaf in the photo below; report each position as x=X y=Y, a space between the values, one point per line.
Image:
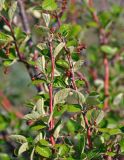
x=58 y=48
x=32 y=116
x=75 y=56
x=43 y=151
x=78 y=65
x=93 y=154
x=43 y=142
x=38 y=81
x=8 y=63
x=69 y=96
x=46 y=18
x=108 y=49
x=122 y=144
x=73 y=108
x=40 y=63
x=65 y=29
x=2 y=4
x=57 y=128
x=41 y=46
x=111 y=131
x=100 y=117
x=72 y=126
x=40 y=106
x=18 y=138
x=118 y=99
x=3 y=124
x=62 y=63
x=4 y=38
x=92 y=24
x=80 y=143
x=49 y=5
x=32 y=154
x=112 y=154
x=38 y=127
x=93 y=99
x=4 y=156
x=63 y=150
x=38 y=138
x=12 y=10
x=24 y=147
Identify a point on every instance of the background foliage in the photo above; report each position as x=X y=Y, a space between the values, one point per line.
x=61 y=79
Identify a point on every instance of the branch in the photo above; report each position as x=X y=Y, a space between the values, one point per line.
x=103 y=40
x=51 y=89
x=81 y=76
x=106 y=80
x=71 y=68
x=88 y=131
x=24 y=18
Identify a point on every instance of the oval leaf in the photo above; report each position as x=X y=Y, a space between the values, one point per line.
x=43 y=151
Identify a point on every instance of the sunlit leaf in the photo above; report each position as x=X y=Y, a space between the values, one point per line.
x=46 y=18
x=4 y=38
x=4 y=156
x=118 y=99
x=18 y=138
x=78 y=65
x=58 y=48
x=32 y=116
x=69 y=96
x=12 y=10
x=100 y=117
x=24 y=147
x=49 y=5
x=108 y=49
x=62 y=63
x=43 y=151
x=63 y=150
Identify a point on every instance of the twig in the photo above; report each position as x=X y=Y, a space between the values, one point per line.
x=25 y=21
x=12 y=33
x=51 y=90
x=71 y=68
x=8 y=106
x=82 y=77
x=103 y=40
x=88 y=131
x=106 y=80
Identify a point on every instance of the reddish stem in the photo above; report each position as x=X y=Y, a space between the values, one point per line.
x=51 y=110
x=8 y=106
x=94 y=14
x=106 y=80
x=82 y=77
x=51 y=91
x=103 y=40
x=88 y=131
x=71 y=69
x=93 y=73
